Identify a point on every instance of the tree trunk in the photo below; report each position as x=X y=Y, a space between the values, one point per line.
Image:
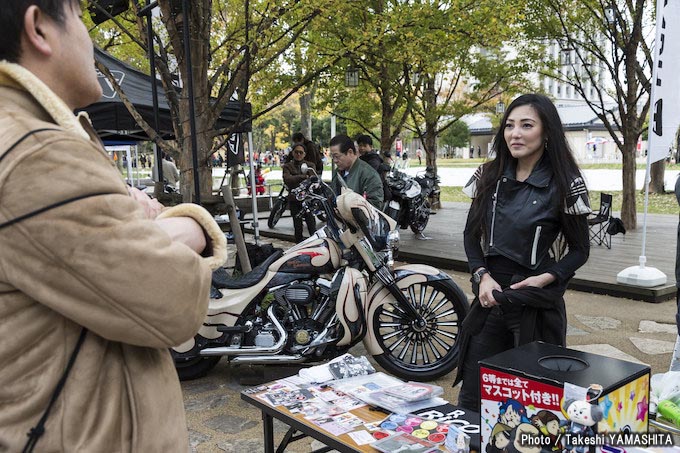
x=186 y=164
x=306 y=114
x=657 y=174
x=628 y=212
x=431 y=123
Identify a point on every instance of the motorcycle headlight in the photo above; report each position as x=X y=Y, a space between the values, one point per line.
x=393 y=239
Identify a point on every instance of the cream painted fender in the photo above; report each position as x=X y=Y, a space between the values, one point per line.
x=349 y=289
x=377 y=296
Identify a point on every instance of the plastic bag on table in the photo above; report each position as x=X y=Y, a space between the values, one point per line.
x=664 y=386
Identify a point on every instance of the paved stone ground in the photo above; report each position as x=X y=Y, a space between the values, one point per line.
x=219 y=421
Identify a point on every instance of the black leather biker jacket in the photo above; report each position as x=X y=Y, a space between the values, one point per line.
x=524 y=221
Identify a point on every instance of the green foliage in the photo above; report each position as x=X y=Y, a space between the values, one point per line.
x=456 y=136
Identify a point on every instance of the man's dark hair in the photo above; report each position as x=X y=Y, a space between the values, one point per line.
x=344 y=142
x=365 y=140
x=12 y=22
x=298 y=137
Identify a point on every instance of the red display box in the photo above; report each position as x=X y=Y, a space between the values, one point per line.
x=525 y=386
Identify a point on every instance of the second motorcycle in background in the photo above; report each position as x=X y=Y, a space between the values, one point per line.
x=410 y=204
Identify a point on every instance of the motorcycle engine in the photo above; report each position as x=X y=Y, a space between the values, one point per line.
x=307 y=305
x=299 y=294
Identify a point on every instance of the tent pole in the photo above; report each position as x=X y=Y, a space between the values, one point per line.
x=253 y=187
x=158 y=161
x=192 y=107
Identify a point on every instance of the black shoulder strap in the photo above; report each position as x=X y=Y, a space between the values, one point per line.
x=36 y=432
x=45 y=208
x=24 y=137
x=52 y=206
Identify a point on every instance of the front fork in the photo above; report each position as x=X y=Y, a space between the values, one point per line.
x=386 y=277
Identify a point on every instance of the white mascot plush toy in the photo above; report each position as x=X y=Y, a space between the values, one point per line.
x=582 y=417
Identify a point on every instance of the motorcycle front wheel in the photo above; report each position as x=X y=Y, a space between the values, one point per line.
x=277 y=211
x=430 y=352
x=418 y=224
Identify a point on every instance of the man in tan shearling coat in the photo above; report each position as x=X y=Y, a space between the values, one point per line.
x=78 y=249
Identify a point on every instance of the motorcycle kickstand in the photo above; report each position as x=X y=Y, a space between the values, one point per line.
x=421 y=237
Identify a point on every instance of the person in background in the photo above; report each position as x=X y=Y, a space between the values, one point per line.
x=405 y=160
x=259 y=182
x=292 y=177
x=93 y=272
x=419 y=155
x=313 y=153
x=357 y=174
x=522 y=200
x=372 y=158
x=170 y=171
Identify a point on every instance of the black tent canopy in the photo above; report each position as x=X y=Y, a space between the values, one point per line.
x=112 y=121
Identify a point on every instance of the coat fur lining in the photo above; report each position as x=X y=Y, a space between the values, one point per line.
x=19 y=77
x=215 y=235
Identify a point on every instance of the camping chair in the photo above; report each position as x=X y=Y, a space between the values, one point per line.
x=600 y=221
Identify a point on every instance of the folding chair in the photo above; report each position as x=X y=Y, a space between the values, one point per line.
x=600 y=221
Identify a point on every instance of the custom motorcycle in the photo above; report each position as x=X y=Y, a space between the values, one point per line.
x=327 y=293
x=410 y=204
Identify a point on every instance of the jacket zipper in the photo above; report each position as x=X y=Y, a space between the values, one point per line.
x=534 y=249
x=493 y=213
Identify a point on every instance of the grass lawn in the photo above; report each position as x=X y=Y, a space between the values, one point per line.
x=467 y=163
x=658 y=203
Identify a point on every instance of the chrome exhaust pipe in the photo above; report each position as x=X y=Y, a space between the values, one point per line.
x=267 y=360
x=254 y=350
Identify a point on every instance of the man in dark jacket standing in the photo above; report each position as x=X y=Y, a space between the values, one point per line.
x=313 y=154
x=372 y=158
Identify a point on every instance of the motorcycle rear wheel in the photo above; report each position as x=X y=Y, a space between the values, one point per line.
x=278 y=209
x=419 y=224
x=195 y=368
x=422 y=354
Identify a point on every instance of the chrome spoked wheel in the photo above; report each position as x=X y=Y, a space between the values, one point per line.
x=422 y=351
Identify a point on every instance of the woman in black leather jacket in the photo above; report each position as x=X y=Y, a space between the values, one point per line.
x=292 y=178
x=530 y=195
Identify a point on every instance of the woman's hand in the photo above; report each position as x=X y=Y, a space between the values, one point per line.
x=486 y=288
x=537 y=281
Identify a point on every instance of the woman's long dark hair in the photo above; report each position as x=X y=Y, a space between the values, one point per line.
x=557 y=155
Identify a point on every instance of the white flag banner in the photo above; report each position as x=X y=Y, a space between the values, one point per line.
x=665 y=108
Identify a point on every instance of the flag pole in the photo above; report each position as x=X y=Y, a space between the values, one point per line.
x=642 y=275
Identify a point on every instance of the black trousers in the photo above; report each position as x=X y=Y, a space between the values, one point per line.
x=295 y=208
x=500 y=333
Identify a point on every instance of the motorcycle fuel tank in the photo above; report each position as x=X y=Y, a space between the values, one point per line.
x=312 y=256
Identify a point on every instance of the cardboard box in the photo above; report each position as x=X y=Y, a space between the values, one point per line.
x=526 y=385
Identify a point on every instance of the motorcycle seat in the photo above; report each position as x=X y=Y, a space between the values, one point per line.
x=221 y=280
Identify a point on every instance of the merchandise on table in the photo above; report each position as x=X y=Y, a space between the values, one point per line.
x=341 y=367
x=414 y=391
x=457 y=441
x=416 y=426
x=404 y=442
